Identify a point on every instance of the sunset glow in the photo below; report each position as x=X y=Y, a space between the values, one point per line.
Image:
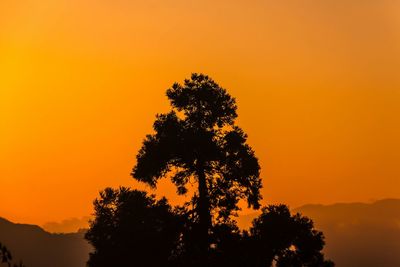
x=317 y=85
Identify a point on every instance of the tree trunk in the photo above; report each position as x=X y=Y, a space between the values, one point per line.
x=204 y=214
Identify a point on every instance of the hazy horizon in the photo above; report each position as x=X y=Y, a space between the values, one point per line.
x=73 y=225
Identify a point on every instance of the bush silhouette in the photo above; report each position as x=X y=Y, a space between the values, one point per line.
x=288 y=240
x=276 y=238
x=132 y=228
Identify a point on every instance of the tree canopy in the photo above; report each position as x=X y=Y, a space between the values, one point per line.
x=132 y=227
x=289 y=240
x=198 y=141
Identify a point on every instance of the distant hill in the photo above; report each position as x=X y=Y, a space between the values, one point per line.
x=71 y=225
x=357 y=234
x=38 y=248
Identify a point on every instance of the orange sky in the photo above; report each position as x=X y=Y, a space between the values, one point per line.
x=317 y=84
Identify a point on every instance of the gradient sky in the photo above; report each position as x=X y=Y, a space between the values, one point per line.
x=317 y=84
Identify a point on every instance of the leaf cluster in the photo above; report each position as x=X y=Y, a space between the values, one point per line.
x=198 y=136
x=132 y=228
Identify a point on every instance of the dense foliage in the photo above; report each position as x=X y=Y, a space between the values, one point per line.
x=197 y=142
x=131 y=226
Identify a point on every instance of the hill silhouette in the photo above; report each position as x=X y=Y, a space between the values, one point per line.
x=38 y=248
x=359 y=234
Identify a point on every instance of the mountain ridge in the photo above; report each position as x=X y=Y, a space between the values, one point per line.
x=37 y=248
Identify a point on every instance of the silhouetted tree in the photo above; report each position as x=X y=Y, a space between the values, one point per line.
x=225 y=248
x=6 y=257
x=132 y=228
x=289 y=240
x=198 y=141
x=229 y=246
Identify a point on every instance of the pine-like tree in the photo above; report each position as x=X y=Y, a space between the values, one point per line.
x=199 y=142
